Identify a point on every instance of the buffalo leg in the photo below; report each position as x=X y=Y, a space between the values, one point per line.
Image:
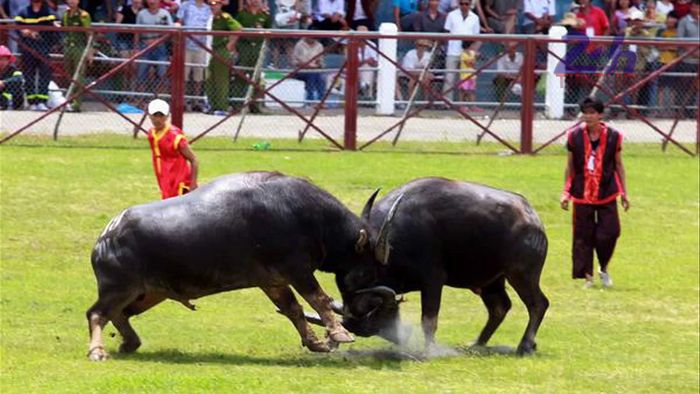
x=498 y=304
x=430 y=308
x=104 y=310
x=130 y=340
x=284 y=299
x=309 y=288
x=527 y=285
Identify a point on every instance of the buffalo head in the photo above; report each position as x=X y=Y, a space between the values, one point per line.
x=372 y=309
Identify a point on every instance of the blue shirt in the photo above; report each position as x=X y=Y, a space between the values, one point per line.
x=406 y=6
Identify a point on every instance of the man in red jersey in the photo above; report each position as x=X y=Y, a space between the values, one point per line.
x=594 y=177
x=174 y=162
x=597 y=23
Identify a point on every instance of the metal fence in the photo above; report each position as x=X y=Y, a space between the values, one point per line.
x=343 y=90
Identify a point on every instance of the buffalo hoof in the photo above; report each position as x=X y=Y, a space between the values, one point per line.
x=317 y=346
x=341 y=335
x=129 y=347
x=526 y=350
x=97 y=354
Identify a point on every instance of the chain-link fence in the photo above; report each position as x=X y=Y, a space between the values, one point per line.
x=340 y=90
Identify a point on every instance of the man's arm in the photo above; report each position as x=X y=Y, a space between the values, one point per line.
x=565 y=195
x=187 y=152
x=621 y=173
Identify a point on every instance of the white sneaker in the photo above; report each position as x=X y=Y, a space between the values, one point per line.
x=42 y=107
x=588 y=284
x=32 y=107
x=606 y=279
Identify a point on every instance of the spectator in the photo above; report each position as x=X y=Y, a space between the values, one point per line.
x=11 y=81
x=501 y=15
x=414 y=62
x=447 y=6
x=467 y=85
x=35 y=52
x=459 y=21
x=596 y=23
x=653 y=17
x=623 y=11
x=403 y=8
x=195 y=14
x=688 y=28
x=99 y=10
x=682 y=8
x=507 y=71
x=368 y=59
x=330 y=15
x=74 y=44
x=126 y=14
x=431 y=20
x=9 y=9
x=642 y=57
x=218 y=72
x=663 y=7
x=153 y=15
x=253 y=16
x=314 y=83
x=668 y=84
x=361 y=13
x=288 y=15
x=538 y=16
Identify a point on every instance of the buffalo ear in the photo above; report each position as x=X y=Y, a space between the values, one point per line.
x=362 y=241
x=368 y=205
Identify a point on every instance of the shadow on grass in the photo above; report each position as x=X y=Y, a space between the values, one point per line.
x=391 y=358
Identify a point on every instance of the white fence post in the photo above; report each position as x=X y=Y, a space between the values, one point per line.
x=554 y=97
x=386 y=76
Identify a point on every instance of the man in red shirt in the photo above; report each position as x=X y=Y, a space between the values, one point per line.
x=595 y=177
x=174 y=162
x=596 y=20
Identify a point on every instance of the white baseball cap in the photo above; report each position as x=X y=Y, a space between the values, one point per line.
x=157 y=106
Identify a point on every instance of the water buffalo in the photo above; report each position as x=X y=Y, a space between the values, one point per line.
x=457 y=234
x=258 y=229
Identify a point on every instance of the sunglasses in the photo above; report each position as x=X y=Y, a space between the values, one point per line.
x=464 y=3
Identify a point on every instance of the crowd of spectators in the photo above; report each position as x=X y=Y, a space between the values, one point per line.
x=452 y=62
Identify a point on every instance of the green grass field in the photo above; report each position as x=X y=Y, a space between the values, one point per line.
x=641 y=336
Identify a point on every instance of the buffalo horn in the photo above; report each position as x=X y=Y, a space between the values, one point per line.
x=368 y=205
x=385 y=292
x=337 y=307
x=383 y=247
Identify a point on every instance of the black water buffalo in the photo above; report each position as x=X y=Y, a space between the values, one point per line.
x=457 y=234
x=257 y=229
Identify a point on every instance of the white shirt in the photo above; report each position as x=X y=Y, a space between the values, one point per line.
x=538 y=8
x=359 y=11
x=662 y=8
x=455 y=24
x=506 y=66
x=330 y=7
x=411 y=62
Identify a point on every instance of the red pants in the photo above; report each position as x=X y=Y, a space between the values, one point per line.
x=596 y=227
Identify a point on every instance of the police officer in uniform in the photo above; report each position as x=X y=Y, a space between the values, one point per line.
x=254 y=16
x=74 y=43
x=218 y=75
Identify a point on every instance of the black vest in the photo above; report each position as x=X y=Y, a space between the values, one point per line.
x=594 y=178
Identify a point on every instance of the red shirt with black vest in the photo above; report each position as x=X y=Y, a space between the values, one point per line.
x=172 y=169
x=594 y=178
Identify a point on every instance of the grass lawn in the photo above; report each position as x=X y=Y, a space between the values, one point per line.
x=641 y=336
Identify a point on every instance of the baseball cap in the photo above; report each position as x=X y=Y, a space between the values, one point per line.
x=157 y=106
x=635 y=15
